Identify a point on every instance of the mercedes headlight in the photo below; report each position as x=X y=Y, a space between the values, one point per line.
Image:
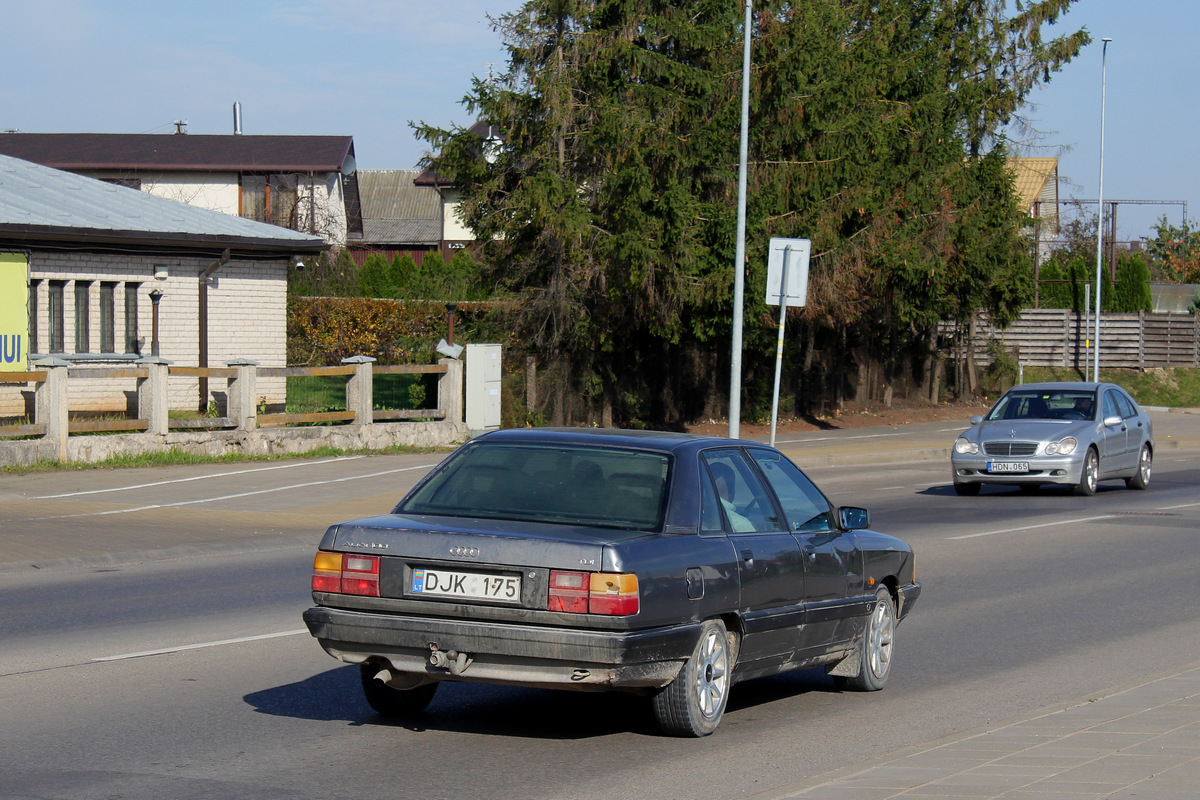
x=1063 y=447
x=965 y=446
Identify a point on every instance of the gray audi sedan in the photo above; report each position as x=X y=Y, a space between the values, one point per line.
x=668 y=565
x=1073 y=434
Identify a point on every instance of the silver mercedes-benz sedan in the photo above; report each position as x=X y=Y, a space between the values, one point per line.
x=1074 y=434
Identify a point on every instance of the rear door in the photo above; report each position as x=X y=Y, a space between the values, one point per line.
x=769 y=560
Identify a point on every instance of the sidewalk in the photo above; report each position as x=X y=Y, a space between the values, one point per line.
x=1140 y=741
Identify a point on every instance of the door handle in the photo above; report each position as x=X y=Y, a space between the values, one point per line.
x=748 y=556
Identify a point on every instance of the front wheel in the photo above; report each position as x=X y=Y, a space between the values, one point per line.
x=394 y=703
x=693 y=704
x=875 y=648
x=1090 y=476
x=1141 y=478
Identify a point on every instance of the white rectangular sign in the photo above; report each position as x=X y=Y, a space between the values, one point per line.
x=797 y=251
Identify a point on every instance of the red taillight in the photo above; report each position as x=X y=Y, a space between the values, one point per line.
x=609 y=593
x=569 y=592
x=346 y=573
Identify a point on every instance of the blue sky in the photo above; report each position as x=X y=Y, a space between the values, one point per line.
x=367 y=67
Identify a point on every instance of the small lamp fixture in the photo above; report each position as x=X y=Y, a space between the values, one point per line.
x=161 y=272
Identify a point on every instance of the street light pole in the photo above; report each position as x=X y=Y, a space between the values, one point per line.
x=739 y=266
x=1100 y=212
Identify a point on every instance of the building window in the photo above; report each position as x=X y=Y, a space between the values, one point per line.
x=108 y=317
x=283 y=198
x=34 y=286
x=54 y=317
x=83 y=317
x=271 y=198
x=132 y=345
x=254 y=197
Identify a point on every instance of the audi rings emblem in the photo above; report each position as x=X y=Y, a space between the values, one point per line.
x=464 y=552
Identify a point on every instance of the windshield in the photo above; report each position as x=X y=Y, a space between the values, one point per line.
x=1070 y=404
x=541 y=483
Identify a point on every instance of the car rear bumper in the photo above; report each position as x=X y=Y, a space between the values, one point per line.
x=494 y=652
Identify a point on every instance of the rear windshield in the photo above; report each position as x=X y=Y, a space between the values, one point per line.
x=1055 y=404
x=537 y=483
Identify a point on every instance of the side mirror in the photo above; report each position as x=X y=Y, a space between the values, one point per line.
x=1112 y=422
x=852 y=518
x=976 y=419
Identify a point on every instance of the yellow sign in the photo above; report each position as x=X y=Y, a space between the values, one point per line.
x=14 y=312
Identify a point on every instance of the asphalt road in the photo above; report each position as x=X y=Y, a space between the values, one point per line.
x=157 y=650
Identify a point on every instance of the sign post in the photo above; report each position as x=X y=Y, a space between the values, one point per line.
x=787 y=285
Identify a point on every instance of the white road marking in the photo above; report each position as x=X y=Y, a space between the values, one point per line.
x=233 y=496
x=194 y=478
x=1031 y=527
x=182 y=647
x=1181 y=505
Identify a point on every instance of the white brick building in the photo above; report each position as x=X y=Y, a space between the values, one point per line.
x=93 y=253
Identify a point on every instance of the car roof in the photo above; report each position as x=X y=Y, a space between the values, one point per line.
x=658 y=441
x=1050 y=386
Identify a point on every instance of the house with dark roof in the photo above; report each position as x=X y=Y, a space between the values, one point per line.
x=304 y=183
x=93 y=262
x=399 y=217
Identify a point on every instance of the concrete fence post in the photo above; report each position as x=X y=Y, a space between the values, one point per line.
x=242 y=391
x=450 y=390
x=50 y=404
x=360 y=397
x=152 y=395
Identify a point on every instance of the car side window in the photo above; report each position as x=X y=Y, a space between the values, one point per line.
x=711 y=520
x=803 y=504
x=743 y=499
x=1110 y=405
x=1126 y=405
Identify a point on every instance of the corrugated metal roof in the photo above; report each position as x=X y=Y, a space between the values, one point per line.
x=390 y=193
x=396 y=211
x=401 y=231
x=44 y=204
x=1032 y=177
x=158 y=151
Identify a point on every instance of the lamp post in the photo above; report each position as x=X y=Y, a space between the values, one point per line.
x=739 y=266
x=155 y=296
x=1100 y=212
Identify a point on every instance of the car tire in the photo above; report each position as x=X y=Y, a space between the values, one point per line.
x=1141 y=478
x=967 y=489
x=394 y=703
x=875 y=647
x=692 y=705
x=1089 y=476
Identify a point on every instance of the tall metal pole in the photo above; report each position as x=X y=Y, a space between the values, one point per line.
x=739 y=266
x=1100 y=212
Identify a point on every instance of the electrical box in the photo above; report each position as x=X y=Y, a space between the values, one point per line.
x=482 y=378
